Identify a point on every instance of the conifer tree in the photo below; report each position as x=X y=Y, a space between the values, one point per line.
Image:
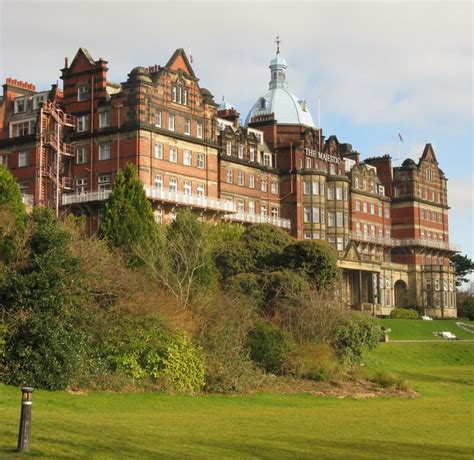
x=10 y=196
x=128 y=219
x=12 y=215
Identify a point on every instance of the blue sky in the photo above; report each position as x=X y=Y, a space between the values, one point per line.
x=377 y=67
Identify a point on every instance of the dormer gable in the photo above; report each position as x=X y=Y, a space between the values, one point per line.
x=179 y=62
x=428 y=155
x=82 y=62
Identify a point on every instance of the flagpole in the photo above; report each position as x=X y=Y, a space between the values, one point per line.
x=319 y=122
x=399 y=142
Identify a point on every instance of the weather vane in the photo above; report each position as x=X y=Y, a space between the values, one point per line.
x=278 y=41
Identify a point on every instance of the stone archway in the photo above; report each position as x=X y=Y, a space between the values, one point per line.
x=401 y=294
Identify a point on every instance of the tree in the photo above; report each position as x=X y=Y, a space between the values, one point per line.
x=180 y=258
x=314 y=259
x=10 y=196
x=266 y=243
x=128 y=219
x=46 y=279
x=232 y=258
x=463 y=267
x=12 y=215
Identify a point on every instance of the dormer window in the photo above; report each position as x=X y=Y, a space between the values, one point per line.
x=179 y=94
x=38 y=101
x=20 y=105
x=263 y=103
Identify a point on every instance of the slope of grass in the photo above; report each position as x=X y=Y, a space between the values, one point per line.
x=416 y=329
x=436 y=425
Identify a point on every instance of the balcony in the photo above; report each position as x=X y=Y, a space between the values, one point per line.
x=85 y=197
x=366 y=238
x=259 y=219
x=203 y=202
x=385 y=241
x=429 y=243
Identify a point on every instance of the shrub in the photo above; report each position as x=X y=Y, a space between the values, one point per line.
x=44 y=351
x=266 y=243
x=389 y=381
x=284 y=287
x=314 y=362
x=403 y=313
x=269 y=347
x=145 y=348
x=248 y=285
x=356 y=333
x=232 y=258
x=314 y=259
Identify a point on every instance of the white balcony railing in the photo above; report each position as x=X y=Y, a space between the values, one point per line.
x=28 y=200
x=155 y=193
x=386 y=241
x=85 y=197
x=366 y=238
x=260 y=219
x=429 y=243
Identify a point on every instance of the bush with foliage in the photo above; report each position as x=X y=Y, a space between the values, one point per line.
x=316 y=260
x=265 y=243
x=356 y=333
x=145 y=348
x=466 y=308
x=46 y=280
x=284 y=287
x=44 y=351
x=404 y=313
x=233 y=258
x=248 y=285
x=269 y=347
x=313 y=361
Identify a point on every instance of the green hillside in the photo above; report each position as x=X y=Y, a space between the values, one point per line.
x=415 y=329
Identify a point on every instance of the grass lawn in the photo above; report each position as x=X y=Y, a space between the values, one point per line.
x=417 y=329
x=437 y=425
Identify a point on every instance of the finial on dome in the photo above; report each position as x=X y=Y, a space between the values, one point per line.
x=278 y=41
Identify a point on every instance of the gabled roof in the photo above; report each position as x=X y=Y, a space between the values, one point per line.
x=428 y=155
x=179 y=61
x=84 y=53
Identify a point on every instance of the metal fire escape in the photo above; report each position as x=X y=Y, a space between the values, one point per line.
x=54 y=172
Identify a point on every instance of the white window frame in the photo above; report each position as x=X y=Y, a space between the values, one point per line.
x=173 y=155
x=241 y=179
x=230 y=176
x=158 y=119
x=104 y=119
x=23 y=159
x=187 y=127
x=103 y=182
x=159 y=181
x=158 y=151
x=199 y=130
x=240 y=151
x=82 y=123
x=171 y=122
x=105 y=150
x=187 y=158
x=83 y=92
x=251 y=181
x=201 y=163
x=82 y=154
x=173 y=185
x=20 y=105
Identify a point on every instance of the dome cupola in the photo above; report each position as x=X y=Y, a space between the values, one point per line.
x=286 y=107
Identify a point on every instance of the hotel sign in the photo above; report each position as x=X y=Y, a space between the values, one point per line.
x=322 y=156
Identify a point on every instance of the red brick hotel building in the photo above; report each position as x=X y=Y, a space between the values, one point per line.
x=388 y=224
